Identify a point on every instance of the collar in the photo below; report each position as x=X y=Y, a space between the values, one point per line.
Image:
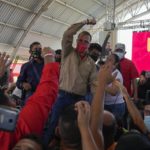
x=82 y=58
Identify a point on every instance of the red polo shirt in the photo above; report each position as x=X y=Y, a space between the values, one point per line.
x=129 y=72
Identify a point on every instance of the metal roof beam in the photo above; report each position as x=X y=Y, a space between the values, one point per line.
x=119 y=12
x=42 y=9
x=56 y=20
x=17 y=6
x=46 y=35
x=35 y=32
x=71 y=7
x=28 y=10
x=134 y=22
x=11 y=26
x=100 y=3
x=117 y=6
x=139 y=15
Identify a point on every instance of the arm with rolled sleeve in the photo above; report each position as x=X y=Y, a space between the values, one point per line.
x=68 y=38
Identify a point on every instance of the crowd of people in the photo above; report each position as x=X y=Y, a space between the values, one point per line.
x=72 y=99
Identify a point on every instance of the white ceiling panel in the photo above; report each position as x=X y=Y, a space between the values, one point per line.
x=24 y=16
x=9 y=35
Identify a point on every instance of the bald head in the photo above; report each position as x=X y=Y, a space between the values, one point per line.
x=108 y=118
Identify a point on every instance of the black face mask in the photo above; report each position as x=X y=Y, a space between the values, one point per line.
x=94 y=57
x=36 y=53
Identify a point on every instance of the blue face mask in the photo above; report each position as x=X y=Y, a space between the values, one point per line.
x=120 y=55
x=147 y=122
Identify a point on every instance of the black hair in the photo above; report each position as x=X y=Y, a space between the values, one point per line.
x=95 y=46
x=109 y=132
x=133 y=140
x=3 y=98
x=147 y=101
x=69 y=131
x=58 y=51
x=34 y=43
x=117 y=60
x=35 y=138
x=85 y=33
x=4 y=79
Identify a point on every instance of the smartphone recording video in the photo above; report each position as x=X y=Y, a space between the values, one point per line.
x=8 y=118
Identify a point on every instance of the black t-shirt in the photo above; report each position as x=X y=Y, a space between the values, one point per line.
x=143 y=88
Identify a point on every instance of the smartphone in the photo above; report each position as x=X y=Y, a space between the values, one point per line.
x=8 y=118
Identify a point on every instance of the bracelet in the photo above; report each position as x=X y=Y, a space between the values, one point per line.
x=84 y=22
x=48 y=54
x=87 y=21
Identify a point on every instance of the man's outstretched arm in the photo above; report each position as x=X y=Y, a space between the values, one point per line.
x=70 y=32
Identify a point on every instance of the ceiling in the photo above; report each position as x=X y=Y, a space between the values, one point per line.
x=25 y=21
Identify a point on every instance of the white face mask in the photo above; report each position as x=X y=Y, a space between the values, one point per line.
x=120 y=55
x=147 y=122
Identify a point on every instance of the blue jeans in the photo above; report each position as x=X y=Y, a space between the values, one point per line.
x=64 y=99
x=117 y=109
x=89 y=97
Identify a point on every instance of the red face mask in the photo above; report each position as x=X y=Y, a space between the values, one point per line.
x=81 y=48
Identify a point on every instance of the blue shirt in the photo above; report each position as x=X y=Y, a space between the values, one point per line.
x=30 y=73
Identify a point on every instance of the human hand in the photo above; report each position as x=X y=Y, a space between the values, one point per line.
x=48 y=54
x=135 y=98
x=26 y=86
x=4 y=63
x=90 y=21
x=105 y=73
x=122 y=88
x=84 y=113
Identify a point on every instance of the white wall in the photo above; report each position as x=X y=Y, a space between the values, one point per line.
x=125 y=36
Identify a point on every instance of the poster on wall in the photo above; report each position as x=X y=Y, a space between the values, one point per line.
x=141 y=50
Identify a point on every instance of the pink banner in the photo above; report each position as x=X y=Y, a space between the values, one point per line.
x=141 y=50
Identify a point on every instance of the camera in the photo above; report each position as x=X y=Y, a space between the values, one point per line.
x=8 y=118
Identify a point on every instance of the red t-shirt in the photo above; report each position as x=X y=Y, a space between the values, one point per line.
x=129 y=72
x=33 y=116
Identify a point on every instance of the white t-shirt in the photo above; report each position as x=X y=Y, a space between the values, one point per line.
x=17 y=92
x=118 y=98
